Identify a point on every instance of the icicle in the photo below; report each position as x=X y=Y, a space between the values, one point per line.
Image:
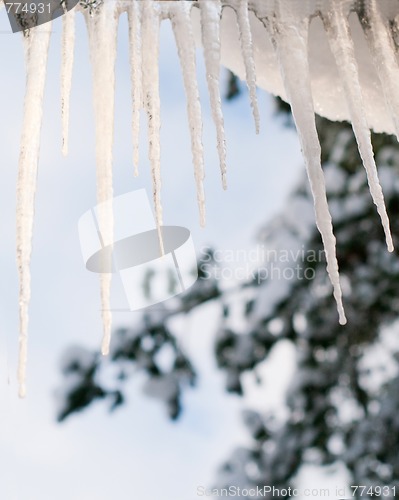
x=383 y=54
x=102 y=30
x=337 y=28
x=134 y=19
x=291 y=43
x=181 y=22
x=67 y=55
x=150 y=58
x=242 y=12
x=37 y=43
x=210 y=26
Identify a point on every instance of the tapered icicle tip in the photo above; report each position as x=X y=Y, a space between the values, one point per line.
x=107 y=323
x=105 y=348
x=21 y=386
x=186 y=50
x=338 y=33
x=244 y=27
x=106 y=313
x=292 y=51
x=211 y=13
x=224 y=181
x=152 y=105
x=342 y=318
x=23 y=352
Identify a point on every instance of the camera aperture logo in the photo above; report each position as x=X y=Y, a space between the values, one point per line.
x=147 y=277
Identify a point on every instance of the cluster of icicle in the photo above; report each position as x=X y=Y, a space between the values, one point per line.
x=287 y=28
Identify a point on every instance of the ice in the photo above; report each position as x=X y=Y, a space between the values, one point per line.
x=67 y=55
x=383 y=53
x=242 y=12
x=290 y=40
x=211 y=13
x=134 y=19
x=102 y=29
x=180 y=17
x=359 y=82
x=326 y=85
x=152 y=104
x=36 y=51
x=337 y=28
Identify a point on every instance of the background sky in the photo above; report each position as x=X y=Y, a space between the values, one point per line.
x=136 y=452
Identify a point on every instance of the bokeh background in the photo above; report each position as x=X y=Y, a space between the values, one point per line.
x=137 y=452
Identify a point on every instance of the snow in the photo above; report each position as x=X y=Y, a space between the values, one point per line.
x=286 y=237
x=383 y=54
x=163 y=387
x=335 y=179
x=326 y=83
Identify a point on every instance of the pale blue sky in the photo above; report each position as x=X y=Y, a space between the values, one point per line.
x=136 y=452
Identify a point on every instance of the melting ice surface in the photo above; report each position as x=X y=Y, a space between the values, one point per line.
x=334 y=57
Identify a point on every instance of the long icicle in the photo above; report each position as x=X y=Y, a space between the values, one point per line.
x=384 y=57
x=36 y=65
x=291 y=43
x=102 y=30
x=181 y=23
x=341 y=43
x=211 y=13
x=134 y=20
x=152 y=104
x=244 y=26
x=67 y=56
